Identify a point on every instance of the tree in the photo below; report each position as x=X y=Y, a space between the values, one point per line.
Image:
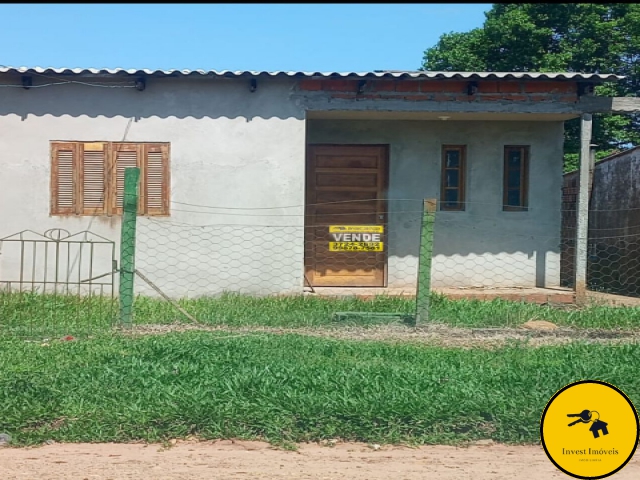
x=546 y=37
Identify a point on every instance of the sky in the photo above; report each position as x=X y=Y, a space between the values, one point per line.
x=302 y=37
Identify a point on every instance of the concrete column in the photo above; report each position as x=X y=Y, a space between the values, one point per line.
x=592 y=167
x=582 y=217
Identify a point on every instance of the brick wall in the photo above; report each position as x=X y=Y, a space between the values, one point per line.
x=444 y=90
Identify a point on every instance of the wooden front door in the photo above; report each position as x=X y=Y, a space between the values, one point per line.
x=346 y=189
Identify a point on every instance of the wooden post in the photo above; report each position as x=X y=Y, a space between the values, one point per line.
x=424 y=261
x=128 y=244
x=582 y=217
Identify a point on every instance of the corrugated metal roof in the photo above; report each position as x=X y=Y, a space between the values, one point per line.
x=594 y=77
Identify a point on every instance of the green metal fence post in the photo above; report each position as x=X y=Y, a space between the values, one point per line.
x=128 y=244
x=424 y=261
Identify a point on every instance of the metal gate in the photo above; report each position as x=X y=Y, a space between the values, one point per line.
x=56 y=283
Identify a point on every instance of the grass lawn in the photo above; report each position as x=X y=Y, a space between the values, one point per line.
x=30 y=314
x=288 y=388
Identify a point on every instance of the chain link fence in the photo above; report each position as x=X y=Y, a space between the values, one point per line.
x=310 y=265
x=399 y=269
x=340 y=271
x=613 y=249
x=426 y=253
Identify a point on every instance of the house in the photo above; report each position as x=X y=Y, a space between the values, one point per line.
x=614 y=225
x=244 y=173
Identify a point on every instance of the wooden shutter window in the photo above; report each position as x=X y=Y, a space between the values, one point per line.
x=63 y=178
x=125 y=155
x=93 y=169
x=156 y=179
x=87 y=178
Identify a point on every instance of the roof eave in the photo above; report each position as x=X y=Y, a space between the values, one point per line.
x=377 y=74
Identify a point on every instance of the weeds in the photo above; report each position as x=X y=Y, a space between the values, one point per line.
x=32 y=314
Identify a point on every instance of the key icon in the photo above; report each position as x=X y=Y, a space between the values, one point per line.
x=584 y=417
x=588 y=416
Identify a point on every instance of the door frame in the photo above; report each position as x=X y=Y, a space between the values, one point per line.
x=386 y=158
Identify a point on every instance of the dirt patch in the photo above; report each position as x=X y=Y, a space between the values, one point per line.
x=441 y=335
x=539 y=325
x=241 y=460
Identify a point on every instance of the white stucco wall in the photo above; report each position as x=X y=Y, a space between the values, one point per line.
x=243 y=153
x=229 y=148
x=483 y=245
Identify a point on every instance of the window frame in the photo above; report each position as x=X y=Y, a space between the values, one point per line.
x=111 y=150
x=462 y=169
x=523 y=205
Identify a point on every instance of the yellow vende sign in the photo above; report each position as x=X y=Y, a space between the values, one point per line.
x=356 y=238
x=589 y=429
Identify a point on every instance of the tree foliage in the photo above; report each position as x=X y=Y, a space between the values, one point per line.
x=547 y=37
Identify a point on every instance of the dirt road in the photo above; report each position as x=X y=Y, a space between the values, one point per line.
x=255 y=460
